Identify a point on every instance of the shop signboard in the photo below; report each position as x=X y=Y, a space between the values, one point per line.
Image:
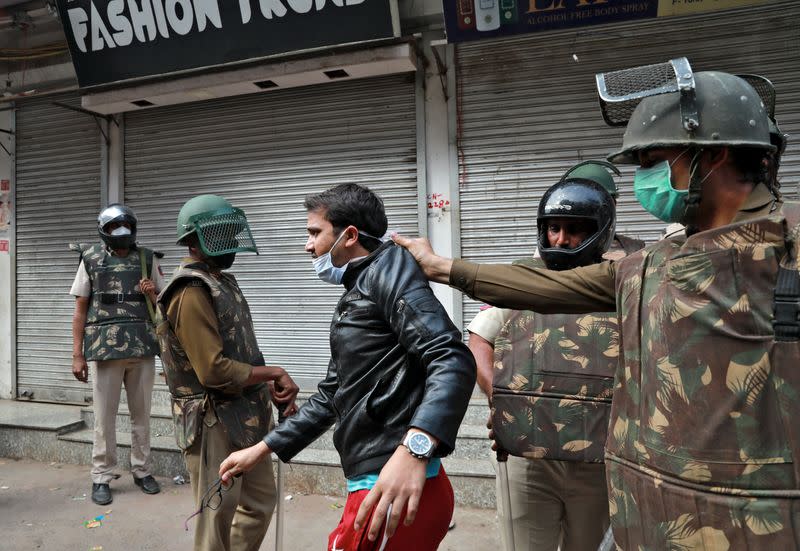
x=476 y=19
x=117 y=40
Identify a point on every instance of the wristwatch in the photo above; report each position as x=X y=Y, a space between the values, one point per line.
x=419 y=445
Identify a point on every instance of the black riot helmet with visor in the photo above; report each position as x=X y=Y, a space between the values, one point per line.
x=583 y=199
x=123 y=234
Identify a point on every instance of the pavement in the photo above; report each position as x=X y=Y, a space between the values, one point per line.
x=47 y=506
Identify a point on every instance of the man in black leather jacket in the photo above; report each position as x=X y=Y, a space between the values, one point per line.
x=398 y=382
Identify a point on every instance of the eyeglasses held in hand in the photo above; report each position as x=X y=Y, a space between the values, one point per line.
x=211 y=499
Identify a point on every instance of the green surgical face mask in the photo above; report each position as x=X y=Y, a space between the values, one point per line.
x=653 y=188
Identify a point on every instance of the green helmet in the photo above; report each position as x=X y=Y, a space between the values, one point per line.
x=220 y=228
x=596 y=171
x=729 y=113
x=766 y=90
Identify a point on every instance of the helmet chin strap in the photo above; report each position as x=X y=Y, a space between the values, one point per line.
x=694 y=193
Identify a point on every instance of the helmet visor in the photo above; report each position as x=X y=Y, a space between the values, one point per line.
x=222 y=232
x=620 y=92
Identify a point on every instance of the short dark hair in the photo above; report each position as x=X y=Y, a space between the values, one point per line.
x=752 y=163
x=351 y=205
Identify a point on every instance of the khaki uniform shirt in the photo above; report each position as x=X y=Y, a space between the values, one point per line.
x=193 y=318
x=489 y=322
x=580 y=290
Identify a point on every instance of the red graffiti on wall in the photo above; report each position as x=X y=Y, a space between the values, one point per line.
x=438 y=201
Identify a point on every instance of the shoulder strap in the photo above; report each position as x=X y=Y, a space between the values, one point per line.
x=629 y=244
x=143 y=264
x=786 y=304
x=184 y=275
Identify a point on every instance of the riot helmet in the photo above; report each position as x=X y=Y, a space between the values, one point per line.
x=668 y=106
x=221 y=229
x=120 y=237
x=766 y=91
x=728 y=112
x=596 y=171
x=578 y=198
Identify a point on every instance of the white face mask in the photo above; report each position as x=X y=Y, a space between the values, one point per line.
x=325 y=269
x=122 y=230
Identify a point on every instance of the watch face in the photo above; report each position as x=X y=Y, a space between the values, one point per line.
x=419 y=444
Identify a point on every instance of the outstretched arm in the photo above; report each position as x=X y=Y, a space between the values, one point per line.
x=291 y=436
x=580 y=290
x=436 y=268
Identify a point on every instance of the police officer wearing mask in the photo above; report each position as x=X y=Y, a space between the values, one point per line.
x=113 y=334
x=550 y=400
x=702 y=450
x=220 y=386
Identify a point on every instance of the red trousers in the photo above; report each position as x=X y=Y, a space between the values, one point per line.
x=425 y=534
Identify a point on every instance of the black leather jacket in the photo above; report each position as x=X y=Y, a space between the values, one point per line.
x=397 y=361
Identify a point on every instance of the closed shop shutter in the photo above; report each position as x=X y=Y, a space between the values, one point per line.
x=528 y=111
x=58 y=166
x=264 y=153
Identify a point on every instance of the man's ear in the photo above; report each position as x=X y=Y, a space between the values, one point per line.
x=351 y=237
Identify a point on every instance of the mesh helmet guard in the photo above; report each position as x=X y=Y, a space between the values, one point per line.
x=731 y=114
x=765 y=89
x=621 y=91
x=223 y=231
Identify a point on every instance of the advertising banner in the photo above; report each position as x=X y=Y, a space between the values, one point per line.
x=114 y=40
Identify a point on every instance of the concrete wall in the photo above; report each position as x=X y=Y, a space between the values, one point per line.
x=7 y=329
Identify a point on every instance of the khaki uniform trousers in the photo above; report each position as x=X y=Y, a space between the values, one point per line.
x=241 y=521
x=108 y=376
x=555 y=503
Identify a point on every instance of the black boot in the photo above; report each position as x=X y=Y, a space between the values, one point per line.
x=148 y=484
x=101 y=494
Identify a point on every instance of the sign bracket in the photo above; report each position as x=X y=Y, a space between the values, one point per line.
x=10 y=133
x=95 y=116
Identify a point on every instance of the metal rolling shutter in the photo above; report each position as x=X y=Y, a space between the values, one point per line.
x=58 y=197
x=528 y=111
x=264 y=153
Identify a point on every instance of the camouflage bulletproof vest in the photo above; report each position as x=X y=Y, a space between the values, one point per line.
x=117 y=323
x=552 y=383
x=245 y=417
x=703 y=451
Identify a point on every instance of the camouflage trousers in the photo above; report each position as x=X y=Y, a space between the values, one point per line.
x=555 y=503
x=241 y=521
